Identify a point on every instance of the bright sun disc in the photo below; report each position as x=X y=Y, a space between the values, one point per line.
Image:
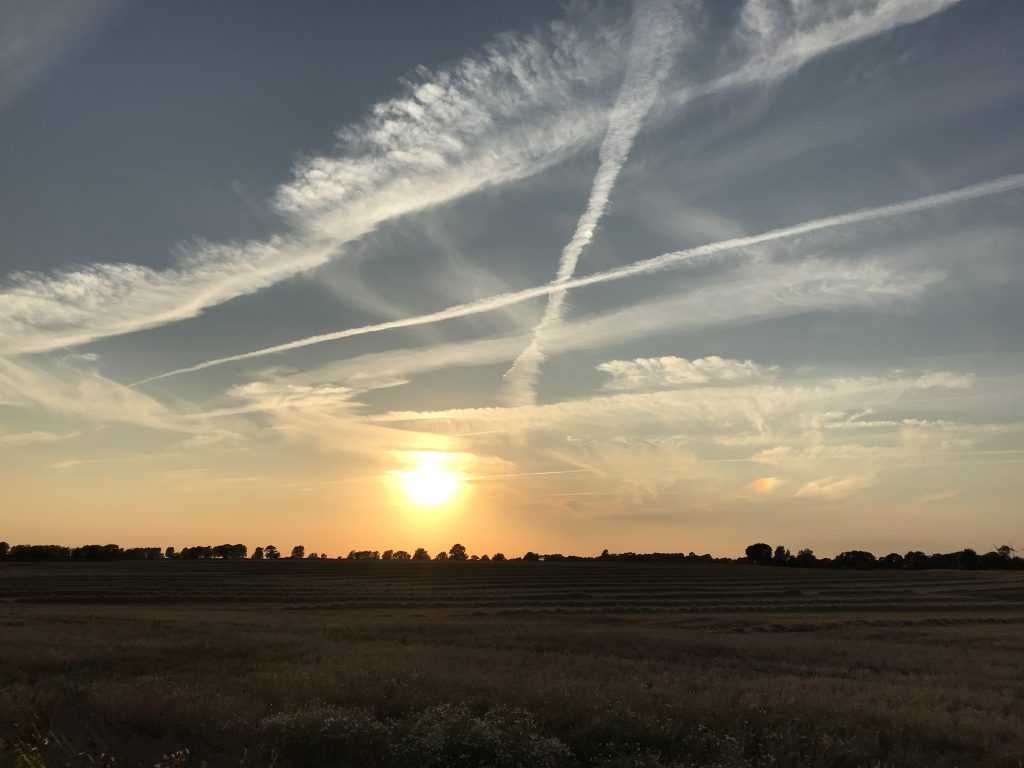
x=431 y=484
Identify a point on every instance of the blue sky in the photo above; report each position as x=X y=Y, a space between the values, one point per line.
x=651 y=276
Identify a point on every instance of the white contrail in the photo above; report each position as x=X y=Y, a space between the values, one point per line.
x=655 y=34
x=645 y=267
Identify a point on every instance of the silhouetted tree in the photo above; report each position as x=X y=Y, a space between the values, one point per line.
x=387 y=554
x=230 y=551
x=781 y=556
x=39 y=552
x=401 y=555
x=805 y=558
x=915 y=560
x=363 y=554
x=5 y=549
x=142 y=553
x=892 y=560
x=271 y=553
x=298 y=552
x=967 y=560
x=313 y=556
x=855 y=558
x=98 y=552
x=943 y=560
x=499 y=557
x=485 y=558
x=421 y=554
x=457 y=552
x=257 y=554
x=531 y=557
x=991 y=561
x=1005 y=551
x=169 y=553
x=442 y=555
x=759 y=553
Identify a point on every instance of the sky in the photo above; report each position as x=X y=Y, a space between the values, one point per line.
x=663 y=276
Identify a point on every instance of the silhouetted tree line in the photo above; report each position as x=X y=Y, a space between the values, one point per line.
x=652 y=557
x=220 y=552
x=1000 y=558
x=90 y=552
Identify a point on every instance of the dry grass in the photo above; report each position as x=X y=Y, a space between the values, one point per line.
x=338 y=663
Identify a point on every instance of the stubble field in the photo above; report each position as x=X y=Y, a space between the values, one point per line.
x=507 y=664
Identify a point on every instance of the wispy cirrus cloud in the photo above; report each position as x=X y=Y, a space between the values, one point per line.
x=780 y=36
x=35 y=437
x=488 y=119
x=697 y=438
x=725 y=407
x=671 y=371
x=37 y=35
x=657 y=33
x=748 y=296
x=77 y=393
x=86 y=395
x=45 y=312
x=833 y=487
x=666 y=261
x=523 y=104
x=329 y=417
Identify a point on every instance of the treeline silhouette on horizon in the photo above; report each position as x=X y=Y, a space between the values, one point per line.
x=1000 y=558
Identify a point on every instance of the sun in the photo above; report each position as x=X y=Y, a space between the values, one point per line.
x=431 y=483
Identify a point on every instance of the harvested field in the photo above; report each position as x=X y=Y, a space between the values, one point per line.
x=506 y=664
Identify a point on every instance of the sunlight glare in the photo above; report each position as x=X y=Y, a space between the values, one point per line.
x=431 y=483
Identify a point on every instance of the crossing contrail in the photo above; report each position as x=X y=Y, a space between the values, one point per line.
x=645 y=267
x=656 y=33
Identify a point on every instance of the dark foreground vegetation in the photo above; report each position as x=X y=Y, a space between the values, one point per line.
x=594 y=663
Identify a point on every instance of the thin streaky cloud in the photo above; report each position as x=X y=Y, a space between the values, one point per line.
x=702 y=408
x=645 y=267
x=529 y=474
x=656 y=35
x=778 y=43
x=752 y=296
x=38 y=37
x=781 y=37
x=485 y=121
x=433 y=144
